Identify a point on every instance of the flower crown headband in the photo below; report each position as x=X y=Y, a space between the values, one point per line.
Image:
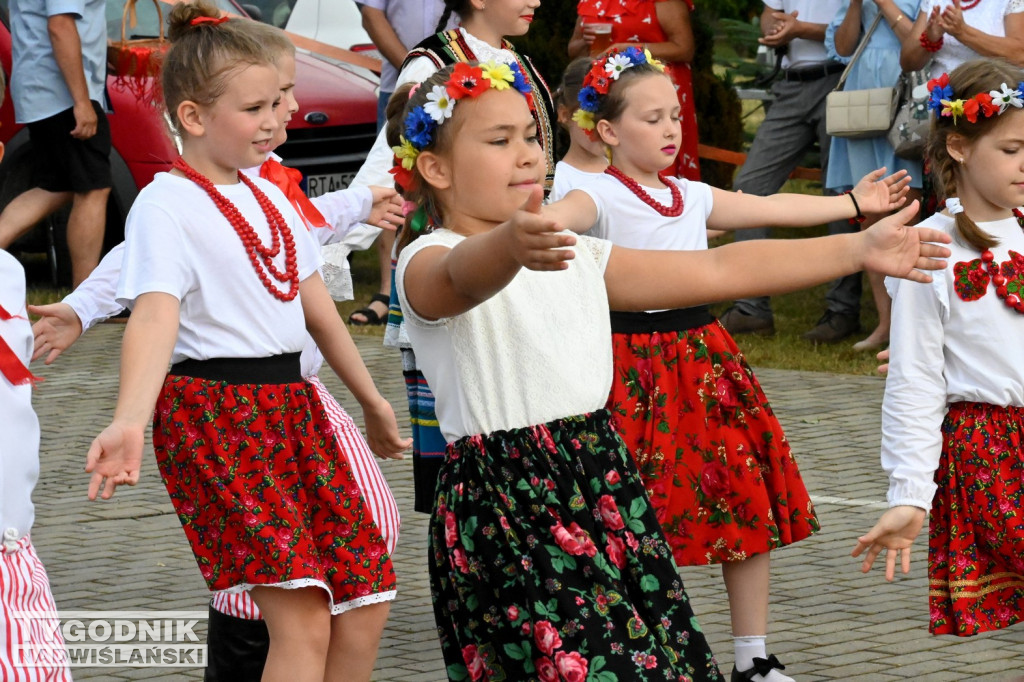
x=599 y=79
x=986 y=104
x=422 y=122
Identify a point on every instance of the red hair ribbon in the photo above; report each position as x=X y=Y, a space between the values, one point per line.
x=209 y=20
x=11 y=365
x=287 y=180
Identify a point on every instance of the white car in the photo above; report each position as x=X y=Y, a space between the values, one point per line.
x=335 y=22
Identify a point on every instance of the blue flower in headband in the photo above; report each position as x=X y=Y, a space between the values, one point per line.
x=588 y=99
x=940 y=90
x=635 y=55
x=419 y=127
x=520 y=83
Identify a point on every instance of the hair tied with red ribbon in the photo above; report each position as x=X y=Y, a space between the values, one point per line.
x=209 y=20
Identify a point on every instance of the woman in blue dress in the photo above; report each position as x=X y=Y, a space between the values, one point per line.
x=878 y=66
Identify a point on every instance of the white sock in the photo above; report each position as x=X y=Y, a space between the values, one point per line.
x=749 y=648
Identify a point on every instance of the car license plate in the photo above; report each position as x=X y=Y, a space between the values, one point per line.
x=330 y=182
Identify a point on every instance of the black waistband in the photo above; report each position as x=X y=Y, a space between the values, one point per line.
x=678 y=320
x=277 y=369
x=812 y=73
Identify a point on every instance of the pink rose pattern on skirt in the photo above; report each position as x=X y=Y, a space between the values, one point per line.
x=261 y=490
x=713 y=458
x=976 y=533
x=548 y=564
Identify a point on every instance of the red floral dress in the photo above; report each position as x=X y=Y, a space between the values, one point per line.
x=713 y=458
x=636 y=21
x=263 y=493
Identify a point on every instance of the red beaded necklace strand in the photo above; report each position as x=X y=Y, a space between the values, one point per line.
x=969 y=5
x=258 y=253
x=673 y=211
x=998 y=279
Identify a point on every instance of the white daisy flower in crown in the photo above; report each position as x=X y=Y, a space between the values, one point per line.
x=439 y=105
x=616 y=64
x=1006 y=96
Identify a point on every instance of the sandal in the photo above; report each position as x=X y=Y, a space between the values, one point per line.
x=371 y=315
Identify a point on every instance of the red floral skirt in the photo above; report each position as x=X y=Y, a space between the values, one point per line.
x=713 y=458
x=976 y=534
x=264 y=494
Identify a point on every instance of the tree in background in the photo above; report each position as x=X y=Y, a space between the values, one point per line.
x=718 y=109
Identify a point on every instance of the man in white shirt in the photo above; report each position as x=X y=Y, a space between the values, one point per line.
x=794 y=122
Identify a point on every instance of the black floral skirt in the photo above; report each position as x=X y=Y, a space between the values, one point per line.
x=547 y=563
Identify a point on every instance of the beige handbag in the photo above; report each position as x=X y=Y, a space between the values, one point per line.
x=860 y=113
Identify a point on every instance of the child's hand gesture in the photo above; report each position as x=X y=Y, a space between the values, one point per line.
x=386 y=212
x=894 y=248
x=382 y=430
x=534 y=238
x=55 y=331
x=875 y=194
x=115 y=458
x=895 y=532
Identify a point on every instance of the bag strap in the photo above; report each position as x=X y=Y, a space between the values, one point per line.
x=860 y=49
x=128 y=18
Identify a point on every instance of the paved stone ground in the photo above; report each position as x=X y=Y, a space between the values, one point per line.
x=828 y=621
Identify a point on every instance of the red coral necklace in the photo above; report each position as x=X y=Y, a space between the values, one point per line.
x=260 y=256
x=969 y=5
x=673 y=211
x=998 y=278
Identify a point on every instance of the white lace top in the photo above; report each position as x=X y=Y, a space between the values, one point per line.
x=538 y=350
x=988 y=16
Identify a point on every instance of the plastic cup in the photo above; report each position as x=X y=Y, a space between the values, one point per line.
x=602 y=32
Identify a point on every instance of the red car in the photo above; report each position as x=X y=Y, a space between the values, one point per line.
x=328 y=138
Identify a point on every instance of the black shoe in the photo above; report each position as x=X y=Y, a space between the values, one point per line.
x=833 y=328
x=762 y=667
x=736 y=322
x=236 y=648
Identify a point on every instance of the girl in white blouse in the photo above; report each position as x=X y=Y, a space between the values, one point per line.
x=953 y=411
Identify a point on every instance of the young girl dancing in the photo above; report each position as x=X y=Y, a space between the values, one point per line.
x=953 y=411
x=546 y=559
x=237 y=637
x=481 y=36
x=713 y=458
x=586 y=157
x=245 y=447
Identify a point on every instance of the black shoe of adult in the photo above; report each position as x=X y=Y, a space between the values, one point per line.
x=236 y=648
x=762 y=667
x=832 y=328
x=736 y=322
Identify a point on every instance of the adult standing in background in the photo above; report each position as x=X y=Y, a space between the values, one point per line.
x=877 y=67
x=952 y=32
x=663 y=27
x=794 y=122
x=394 y=26
x=58 y=84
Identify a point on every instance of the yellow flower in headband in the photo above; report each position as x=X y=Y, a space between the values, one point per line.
x=584 y=119
x=500 y=75
x=406 y=153
x=953 y=108
x=652 y=61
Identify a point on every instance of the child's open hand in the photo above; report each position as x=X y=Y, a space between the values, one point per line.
x=878 y=195
x=535 y=239
x=386 y=212
x=382 y=430
x=894 y=248
x=115 y=458
x=55 y=331
x=895 y=532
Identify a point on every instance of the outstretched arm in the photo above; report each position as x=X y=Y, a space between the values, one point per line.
x=334 y=341
x=442 y=282
x=115 y=456
x=874 y=194
x=645 y=280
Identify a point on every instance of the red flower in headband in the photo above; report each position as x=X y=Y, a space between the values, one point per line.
x=403 y=177
x=208 y=20
x=466 y=81
x=942 y=81
x=980 y=103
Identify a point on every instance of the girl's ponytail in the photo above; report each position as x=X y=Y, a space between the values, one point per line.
x=967 y=80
